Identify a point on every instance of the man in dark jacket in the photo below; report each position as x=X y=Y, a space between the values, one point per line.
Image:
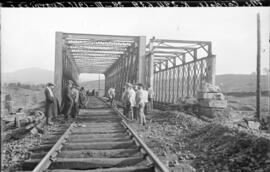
x=75 y=95
x=49 y=102
x=67 y=100
x=82 y=97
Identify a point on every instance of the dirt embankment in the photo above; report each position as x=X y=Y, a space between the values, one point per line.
x=25 y=99
x=15 y=151
x=219 y=145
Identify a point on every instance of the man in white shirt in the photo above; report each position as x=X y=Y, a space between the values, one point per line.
x=75 y=92
x=145 y=97
x=132 y=96
x=140 y=101
x=128 y=99
x=111 y=95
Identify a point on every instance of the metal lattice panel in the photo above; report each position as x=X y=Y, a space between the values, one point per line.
x=179 y=69
x=181 y=81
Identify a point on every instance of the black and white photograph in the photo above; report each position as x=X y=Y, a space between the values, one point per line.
x=135 y=89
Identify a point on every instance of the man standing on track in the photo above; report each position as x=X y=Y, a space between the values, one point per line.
x=56 y=108
x=75 y=95
x=128 y=99
x=151 y=95
x=111 y=95
x=132 y=100
x=146 y=104
x=125 y=99
x=67 y=100
x=141 y=102
x=82 y=98
x=49 y=103
x=136 y=107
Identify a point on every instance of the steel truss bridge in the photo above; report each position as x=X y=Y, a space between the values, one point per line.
x=173 y=68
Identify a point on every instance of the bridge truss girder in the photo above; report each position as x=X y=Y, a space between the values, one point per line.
x=119 y=58
x=178 y=68
x=174 y=68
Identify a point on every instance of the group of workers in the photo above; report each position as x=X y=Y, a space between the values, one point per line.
x=73 y=99
x=136 y=99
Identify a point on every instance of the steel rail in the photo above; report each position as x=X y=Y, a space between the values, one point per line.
x=157 y=163
x=154 y=159
x=114 y=108
x=47 y=160
x=150 y=156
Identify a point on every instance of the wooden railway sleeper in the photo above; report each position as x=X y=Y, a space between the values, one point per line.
x=151 y=159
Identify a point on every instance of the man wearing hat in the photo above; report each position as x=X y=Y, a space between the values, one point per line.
x=49 y=102
x=82 y=97
x=75 y=95
x=111 y=95
x=140 y=101
x=67 y=100
x=129 y=100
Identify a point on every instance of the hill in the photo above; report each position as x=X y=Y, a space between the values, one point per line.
x=29 y=76
x=90 y=85
x=227 y=82
x=240 y=82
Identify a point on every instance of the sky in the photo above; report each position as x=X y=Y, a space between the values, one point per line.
x=28 y=34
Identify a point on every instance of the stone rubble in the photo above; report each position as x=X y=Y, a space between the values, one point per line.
x=219 y=145
x=15 y=151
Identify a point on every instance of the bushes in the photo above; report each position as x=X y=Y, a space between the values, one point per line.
x=247 y=94
x=35 y=87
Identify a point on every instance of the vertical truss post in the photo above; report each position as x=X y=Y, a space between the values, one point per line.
x=58 y=66
x=156 y=85
x=195 y=72
x=173 y=94
x=211 y=66
x=166 y=83
x=170 y=85
x=121 y=76
x=211 y=70
x=160 y=84
x=99 y=84
x=178 y=82
x=129 y=64
x=201 y=77
x=188 y=80
x=118 y=82
x=258 y=95
x=125 y=69
x=151 y=64
x=141 y=59
x=183 y=75
x=134 y=63
x=106 y=82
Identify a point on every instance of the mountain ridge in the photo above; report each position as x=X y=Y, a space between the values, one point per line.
x=227 y=82
x=31 y=75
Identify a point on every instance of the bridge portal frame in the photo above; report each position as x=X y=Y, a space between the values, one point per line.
x=73 y=59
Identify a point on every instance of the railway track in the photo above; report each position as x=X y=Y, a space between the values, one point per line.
x=98 y=141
